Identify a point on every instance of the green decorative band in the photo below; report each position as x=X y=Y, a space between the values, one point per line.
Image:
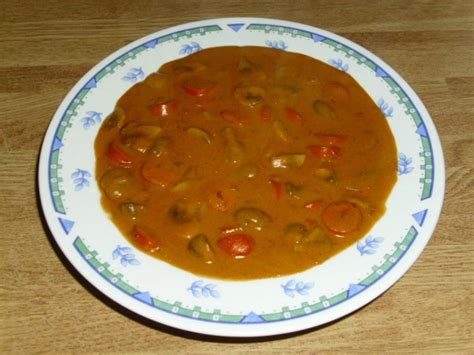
x=54 y=181
x=54 y=166
x=324 y=302
x=306 y=308
x=294 y=32
x=427 y=168
x=116 y=279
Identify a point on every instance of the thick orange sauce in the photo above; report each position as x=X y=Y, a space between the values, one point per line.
x=245 y=163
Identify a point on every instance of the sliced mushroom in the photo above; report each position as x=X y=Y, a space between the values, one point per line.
x=158 y=81
x=182 y=186
x=188 y=68
x=180 y=213
x=250 y=71
x=294 y=190
x=131 y=210
x=326 y=174
x=200 y=247
x=116 y=119
x=295 y=232
x=249 y=95
x=183 y=212
x=159 y=146
x=138 y=143
x=253 y=218
x=136 y=129
x=314 y=238
x=315 y=235
x=244 y=66
x=234 y=147
x=116 y=183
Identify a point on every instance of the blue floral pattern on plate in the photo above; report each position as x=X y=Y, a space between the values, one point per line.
x=133 y=75
x=276 y=44
x=339 y=64
x=386 y=109
x=189 y=48
x=369 y=245
x=80 y=179
x=404 y=163
x=126 y=255
x=198 y=289
x=91 y=118
x=293 y=287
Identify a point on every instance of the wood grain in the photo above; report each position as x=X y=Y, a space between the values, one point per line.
x=46 y=46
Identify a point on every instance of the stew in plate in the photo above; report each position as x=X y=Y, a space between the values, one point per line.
x=245 y=163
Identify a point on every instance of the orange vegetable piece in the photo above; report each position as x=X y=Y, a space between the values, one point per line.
x=342 y=217
x=278 y=188
x=337 y=91
x=205 y=102
x=314 y=205
x=237 y=245
x=198 y=87
x=222 y=199
x=231 y=117
x=144 y=241
x=330 y=139
x=117 y=155
x=163 y=109
x=294 y=116
x=325 y=152
x=159 y=172
x=266 y=113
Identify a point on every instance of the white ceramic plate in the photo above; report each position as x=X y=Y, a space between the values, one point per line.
x=71 y=200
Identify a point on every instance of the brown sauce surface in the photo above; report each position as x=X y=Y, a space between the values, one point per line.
x=245 y=163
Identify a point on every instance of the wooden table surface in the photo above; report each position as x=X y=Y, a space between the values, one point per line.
x=46 y=46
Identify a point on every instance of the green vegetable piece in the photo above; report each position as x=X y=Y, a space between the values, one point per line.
x=145 y=130
x=199 y=134
x=280 y=130
x=247 y=171
x=323 y=109
x=288 y=161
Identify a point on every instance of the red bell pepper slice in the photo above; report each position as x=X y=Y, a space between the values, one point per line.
x=325 y=152
x=115 y=154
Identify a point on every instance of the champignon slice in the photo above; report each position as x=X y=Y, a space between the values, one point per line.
x=199 y=246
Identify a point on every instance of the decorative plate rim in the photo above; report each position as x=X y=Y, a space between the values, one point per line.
x=238 y=329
